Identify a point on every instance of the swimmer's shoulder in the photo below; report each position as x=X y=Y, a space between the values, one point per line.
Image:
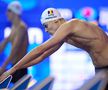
x=23 y=26
x=22 y=29
x=83 y=22
x=77 y=21
x=74 y=21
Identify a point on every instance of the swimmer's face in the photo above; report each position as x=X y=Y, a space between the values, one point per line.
x=10 y=15
x=52 y=26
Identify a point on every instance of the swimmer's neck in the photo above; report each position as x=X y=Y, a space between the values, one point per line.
x=16 y=21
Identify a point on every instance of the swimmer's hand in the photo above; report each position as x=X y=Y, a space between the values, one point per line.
x=4 y=75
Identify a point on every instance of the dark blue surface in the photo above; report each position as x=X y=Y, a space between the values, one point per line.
x=23 y=85
x=5 y=83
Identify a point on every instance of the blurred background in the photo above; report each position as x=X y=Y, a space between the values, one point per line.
x=70 y=66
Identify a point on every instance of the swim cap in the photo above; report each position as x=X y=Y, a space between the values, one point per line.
x=50 y=14
x=15 y=7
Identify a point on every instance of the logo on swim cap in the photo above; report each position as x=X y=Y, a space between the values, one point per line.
x=50 y=14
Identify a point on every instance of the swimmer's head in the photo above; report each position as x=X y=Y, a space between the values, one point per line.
x=14 y=9
x=50 y=14
x=51 y=19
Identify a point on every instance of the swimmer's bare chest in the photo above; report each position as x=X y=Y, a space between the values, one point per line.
x=13 y=35
x=21 y=51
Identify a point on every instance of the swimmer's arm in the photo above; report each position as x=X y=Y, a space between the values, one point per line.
x=15 y=47
x=58 y=37
x=43 y=56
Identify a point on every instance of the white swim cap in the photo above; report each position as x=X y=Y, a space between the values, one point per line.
x=50 y=14
x=15 y=7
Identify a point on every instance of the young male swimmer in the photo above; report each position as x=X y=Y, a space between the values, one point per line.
x=81 y=34
x=18 y=38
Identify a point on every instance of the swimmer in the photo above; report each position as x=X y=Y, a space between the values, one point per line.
x=18 y=39
x=82 y=34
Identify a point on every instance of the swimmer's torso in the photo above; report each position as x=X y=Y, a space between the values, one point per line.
x=92 y=39
x=22 y=49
